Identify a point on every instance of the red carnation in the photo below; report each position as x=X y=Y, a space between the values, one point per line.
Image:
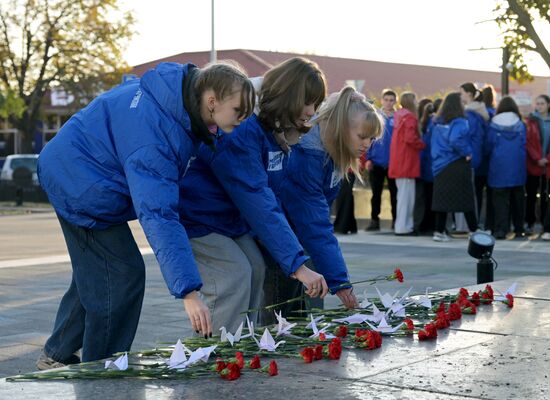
x=341 y=331
x=475 y=298
x=255 y=362
x=273 y=370
x=468 y=307
x=361 y=335
x=220 y=365
x=454 y=312
x=307 y=354
x=231 y=372
x=318 y=352
x=441 y=307
x=322 y=336
x=429 y=332
x=442 y=321
x=509 y=300
x=335 y=349
x=463 y=293
x=409 y=324
x=397 y=274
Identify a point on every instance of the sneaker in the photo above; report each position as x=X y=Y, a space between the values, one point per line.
x=545 y=236
x=441 y=237
x=45 y=362
x=374 y=225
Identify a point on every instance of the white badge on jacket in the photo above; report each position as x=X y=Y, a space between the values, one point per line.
x=275 y=161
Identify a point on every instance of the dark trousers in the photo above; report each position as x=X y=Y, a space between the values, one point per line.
x=376 y=180
x=480 y=185
x=100 y=311
x=279 y=288
x=546 y=221
x=441 y=221
x=345 y=208
x=508 y=201
x=423 y=216
x=533 y=186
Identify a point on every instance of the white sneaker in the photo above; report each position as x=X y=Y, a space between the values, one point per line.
x=441 y=237
x=545 y=236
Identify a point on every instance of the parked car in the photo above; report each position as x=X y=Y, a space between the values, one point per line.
x=20 y=167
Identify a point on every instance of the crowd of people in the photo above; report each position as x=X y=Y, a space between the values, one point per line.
x=442 y=157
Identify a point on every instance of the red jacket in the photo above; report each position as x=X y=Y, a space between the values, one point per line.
x=406 y=146
x=534 y=148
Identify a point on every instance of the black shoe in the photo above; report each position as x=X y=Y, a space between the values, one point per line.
x=413 y=233
x=500 y=235
x=374 y=225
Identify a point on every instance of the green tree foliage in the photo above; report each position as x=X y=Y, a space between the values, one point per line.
x=11 y=105
x=74 y=45
x=517 y=19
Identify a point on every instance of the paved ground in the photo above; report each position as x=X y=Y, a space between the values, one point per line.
x=34 y=273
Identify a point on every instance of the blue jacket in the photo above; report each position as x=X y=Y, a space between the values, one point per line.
x=478 y=118
x=310 y=186
x=505 y=145
x=449 y=143
x=379 y=150
x=243 y=169
x=426 y=173
x=122 y=156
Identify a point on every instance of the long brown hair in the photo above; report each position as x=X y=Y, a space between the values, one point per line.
x=335 y=117
x=287 y=88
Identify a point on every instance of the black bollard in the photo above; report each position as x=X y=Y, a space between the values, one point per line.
x=485 y=269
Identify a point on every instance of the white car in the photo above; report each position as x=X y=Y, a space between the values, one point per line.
x=14 y=161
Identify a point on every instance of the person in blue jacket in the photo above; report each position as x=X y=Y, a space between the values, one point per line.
x=451 y=155
x=505 y=146
x=478 y=119
x=235 y=201
x=119 y=158
x=342 y=131
x=377 y=159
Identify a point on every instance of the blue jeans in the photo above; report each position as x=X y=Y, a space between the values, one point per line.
x=100 y=311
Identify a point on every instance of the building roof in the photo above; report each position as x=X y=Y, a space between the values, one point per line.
x=377 y=75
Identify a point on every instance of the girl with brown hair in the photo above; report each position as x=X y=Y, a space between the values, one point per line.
x=236 y=197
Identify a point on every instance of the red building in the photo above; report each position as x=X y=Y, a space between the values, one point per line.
x=370 y=77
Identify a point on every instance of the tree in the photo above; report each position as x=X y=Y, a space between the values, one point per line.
x=516 y=19
x=73 y=45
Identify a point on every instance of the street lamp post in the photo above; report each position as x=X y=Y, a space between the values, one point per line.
x=213 y=49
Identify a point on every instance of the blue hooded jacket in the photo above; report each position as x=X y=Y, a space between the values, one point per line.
x=379 y=150
x=478 y=119
x=243 y=169
x=449 y=143
x=505 y=145
x=123 y=156
x=310 y=186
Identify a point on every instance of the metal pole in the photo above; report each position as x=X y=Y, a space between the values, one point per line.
x=213 y=49
x=505 y=82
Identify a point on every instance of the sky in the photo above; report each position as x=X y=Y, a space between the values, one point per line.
x=425 y=32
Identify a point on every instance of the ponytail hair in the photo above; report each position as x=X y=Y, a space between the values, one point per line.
x=335 y=118
x=489 y=96
x=469 y=87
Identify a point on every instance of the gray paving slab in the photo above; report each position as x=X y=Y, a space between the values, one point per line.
x=508 y=367
x=249 y=386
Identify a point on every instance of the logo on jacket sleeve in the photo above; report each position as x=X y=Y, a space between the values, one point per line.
x=335 y=179
x=135 y=100
x=275 y=162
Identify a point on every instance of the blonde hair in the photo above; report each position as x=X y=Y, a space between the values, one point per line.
x=335 y=117
x=407 y=101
